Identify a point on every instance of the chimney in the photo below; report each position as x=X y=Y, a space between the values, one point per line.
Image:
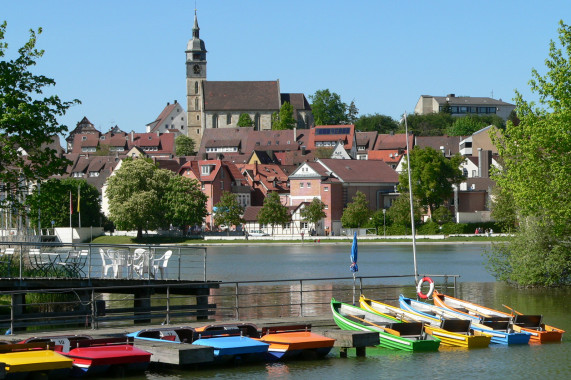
x=255 y=168
x=303 y=150
x=443 y=150
x=480 y=155
x=168 y=104
x=175 y=101
x=484 y=162
x=132 y=136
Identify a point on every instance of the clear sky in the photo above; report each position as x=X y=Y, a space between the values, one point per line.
x=126 y=59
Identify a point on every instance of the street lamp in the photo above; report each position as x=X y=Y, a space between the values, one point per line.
x=384 y=225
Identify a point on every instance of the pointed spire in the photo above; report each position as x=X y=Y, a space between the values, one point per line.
x=195 y=28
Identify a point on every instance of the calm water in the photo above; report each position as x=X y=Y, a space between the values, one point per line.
x=522 y=362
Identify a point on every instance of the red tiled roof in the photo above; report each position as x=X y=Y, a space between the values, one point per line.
x=241 y=95
x=360 y=170
x=388 y=155
x=314 y=137
x=386 y=141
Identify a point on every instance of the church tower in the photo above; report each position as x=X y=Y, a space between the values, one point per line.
x=195 y=77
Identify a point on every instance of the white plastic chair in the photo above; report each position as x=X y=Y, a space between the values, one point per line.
x=161 y=264
x=142 y=262
x=106 y=263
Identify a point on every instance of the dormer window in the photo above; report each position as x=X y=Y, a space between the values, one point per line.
x=83 y=138
x=205 y=169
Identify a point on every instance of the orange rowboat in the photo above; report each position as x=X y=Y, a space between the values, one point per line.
x=530 y=324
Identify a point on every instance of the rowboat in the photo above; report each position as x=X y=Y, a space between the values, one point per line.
x=451 y=332
x=33 y=359
x=530 y=324
x=392 y=332
x=499 y=330
x=228 y=344
x=98 y=356
x=285 y=342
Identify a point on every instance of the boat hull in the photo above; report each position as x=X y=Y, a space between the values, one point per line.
x=297 y=344
x=235 y=348
x=19 y=365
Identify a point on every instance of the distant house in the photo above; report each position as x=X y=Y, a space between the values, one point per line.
x=172 y=119
x=463 y=105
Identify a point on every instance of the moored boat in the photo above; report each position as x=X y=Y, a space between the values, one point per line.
x=499 y=330
x=406 y=336
x=530 y=324
x=34 y=359
x=453 y=333
x=98 y=356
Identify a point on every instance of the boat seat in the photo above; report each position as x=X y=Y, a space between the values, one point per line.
x=170 y=335
x=500 y=325
x=288 y=328
x=528 y=321
x=456 y=325
x=407 y=329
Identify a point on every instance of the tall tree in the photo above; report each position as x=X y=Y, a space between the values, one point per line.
x=135 y=193
x=184 y=146
x=352 y=113
x=376 y=122
x=465 y=126
x=327 y=108
x=51 y=201
x=273 y=212
x=284 y=120
x=432 y=124
x=432 y=176
x=313 y=212
x=356 y=214
x=245 y=120
x=399 y=212
x=228 y=210
x=537 y=174
x=28 y=120
x=184 y=202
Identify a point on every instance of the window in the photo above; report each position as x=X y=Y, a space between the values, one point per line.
x=473 y=173
x=309 y=185
x=215 y=121
x=205 y=169
x=229 y=118
x=301 y=185
x=326 y=207
x=103 y=137
x=196 y=87
x=197 y=131
x=221 y=185
x=303 y=225
x=83 y=138
x=196 y=104
x=326 y=188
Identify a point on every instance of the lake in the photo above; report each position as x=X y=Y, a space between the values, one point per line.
x=271 y=262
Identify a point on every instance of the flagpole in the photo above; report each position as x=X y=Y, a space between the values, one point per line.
x=411 y=200
x=70 y=212
x=78 y=209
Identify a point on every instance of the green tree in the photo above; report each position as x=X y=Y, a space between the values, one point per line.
x=245 y=120
x=273 y=212
x=352 y=113
x=28 y=120
x=284 y=120
x=50 y=201
x=432 y=124
x=228 y=210
x=537 y=174
x=432 y=176
x=323 y=152
x=184 y=146
x=356 y=214
x=503 y=209
x=135 y=192
x=465 y=126
x=442 y=215
x=184 y=202
x=399 y=212
x=446 y=108
x=376 y=122
x=327 y=108
x=313 y=212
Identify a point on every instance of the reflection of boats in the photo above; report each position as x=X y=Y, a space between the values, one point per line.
x=451 y=332
x=228 y=343
x=407 y=336
x=22 y=360
x=499 y=330
x=286 y=342
x=97 y=356
x=530 y=324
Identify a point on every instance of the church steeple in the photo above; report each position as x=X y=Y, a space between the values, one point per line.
x=195 y=29
x=195 y=77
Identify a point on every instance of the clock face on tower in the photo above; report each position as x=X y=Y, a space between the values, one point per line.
x=196 y=69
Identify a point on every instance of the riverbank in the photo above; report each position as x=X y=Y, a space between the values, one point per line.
x=365 y=239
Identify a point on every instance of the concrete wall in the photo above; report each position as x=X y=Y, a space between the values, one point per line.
x=77 y=235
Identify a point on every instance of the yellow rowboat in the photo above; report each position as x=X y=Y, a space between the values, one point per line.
x=20 y=360
x=452 y=333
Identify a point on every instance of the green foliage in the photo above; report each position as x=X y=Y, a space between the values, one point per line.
x=52 y=198
x=327 y=108
x=28 y=120
x=378 y=221
x=446 y=108
x=432 y=124
x=442 y=215
x=399 y=212
x=376 y=122
x=534 y=257
x=184 y=146
x=503 y=209
x=245 y=120
x=537 y=175
x=323 y=152
x=465 y=126
x=284 y=120
x=313 y=212
x=428 y=228
x=228 y=211
x=352 y=113
x=273 y=212
x=432 y=176
x=184 y=202
x=356 y=214
x=452 y=228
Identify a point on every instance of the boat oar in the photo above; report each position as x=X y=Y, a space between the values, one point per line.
x=386 y=329
x=513 y=310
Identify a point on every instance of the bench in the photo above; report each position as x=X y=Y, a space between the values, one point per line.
x=456 y=325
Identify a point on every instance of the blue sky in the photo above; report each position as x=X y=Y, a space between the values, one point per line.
x=126 y=59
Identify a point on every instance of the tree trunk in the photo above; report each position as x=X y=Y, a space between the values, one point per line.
x=139 y=232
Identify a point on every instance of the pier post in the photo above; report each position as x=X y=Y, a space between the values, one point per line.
x=142 y=305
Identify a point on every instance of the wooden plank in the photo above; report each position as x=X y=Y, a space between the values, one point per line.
x=176 y=354
x=345 y=338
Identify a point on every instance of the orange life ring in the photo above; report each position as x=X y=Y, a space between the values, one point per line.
x=419 y=288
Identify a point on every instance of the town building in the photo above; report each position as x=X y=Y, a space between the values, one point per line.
x=463 y=105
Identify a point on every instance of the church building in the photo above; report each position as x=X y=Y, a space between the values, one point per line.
x=219 y=104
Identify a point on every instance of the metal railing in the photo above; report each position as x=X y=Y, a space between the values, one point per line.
x=186 y=263
x=97 y=307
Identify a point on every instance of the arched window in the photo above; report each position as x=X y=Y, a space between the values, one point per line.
x=215 y=121
x=196 y=104
x=257 y=122
x=229 y=118
x=196 y=87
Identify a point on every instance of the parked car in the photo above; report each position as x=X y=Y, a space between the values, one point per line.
x=257 y=233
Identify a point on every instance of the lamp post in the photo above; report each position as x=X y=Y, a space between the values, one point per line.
x=384 y=224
